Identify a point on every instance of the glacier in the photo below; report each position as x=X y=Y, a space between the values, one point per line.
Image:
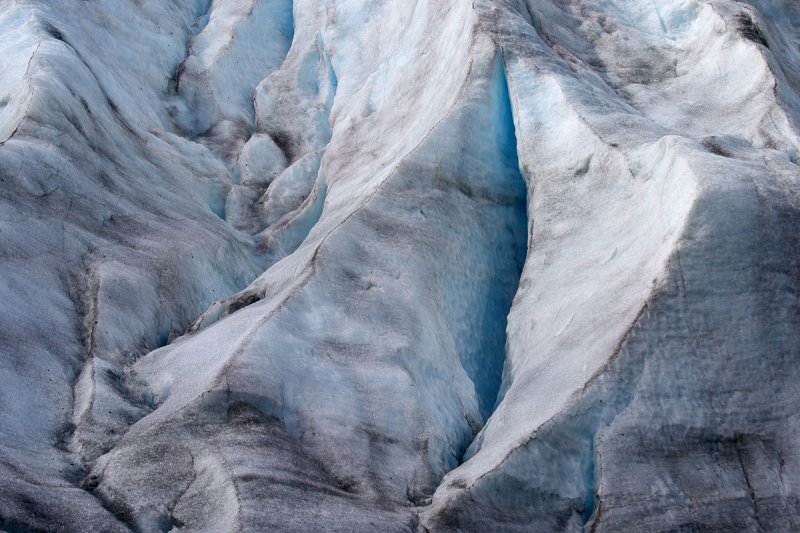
x=430 y=265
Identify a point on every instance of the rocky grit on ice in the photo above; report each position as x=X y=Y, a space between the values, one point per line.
x=510 y=265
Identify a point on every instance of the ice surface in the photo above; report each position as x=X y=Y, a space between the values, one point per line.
x=512 y=265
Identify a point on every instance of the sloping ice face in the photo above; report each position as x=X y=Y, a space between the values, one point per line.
x=515 y=265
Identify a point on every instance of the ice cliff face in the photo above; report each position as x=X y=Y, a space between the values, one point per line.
x=510 y=265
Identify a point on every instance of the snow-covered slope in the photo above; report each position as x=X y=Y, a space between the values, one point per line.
x=445 y=265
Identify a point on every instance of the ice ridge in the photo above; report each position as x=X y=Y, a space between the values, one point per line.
x=486 y=265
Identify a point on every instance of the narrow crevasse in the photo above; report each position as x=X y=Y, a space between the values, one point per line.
x=482 y=351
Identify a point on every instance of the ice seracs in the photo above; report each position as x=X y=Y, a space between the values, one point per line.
x=446 y=266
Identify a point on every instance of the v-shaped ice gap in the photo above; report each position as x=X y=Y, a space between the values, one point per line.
x=483 y=353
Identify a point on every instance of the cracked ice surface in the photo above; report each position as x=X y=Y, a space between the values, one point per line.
x=372 y=266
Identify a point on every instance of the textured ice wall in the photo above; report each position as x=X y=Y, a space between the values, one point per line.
x=432 y=265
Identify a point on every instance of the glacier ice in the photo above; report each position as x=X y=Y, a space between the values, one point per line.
x=508 y=265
